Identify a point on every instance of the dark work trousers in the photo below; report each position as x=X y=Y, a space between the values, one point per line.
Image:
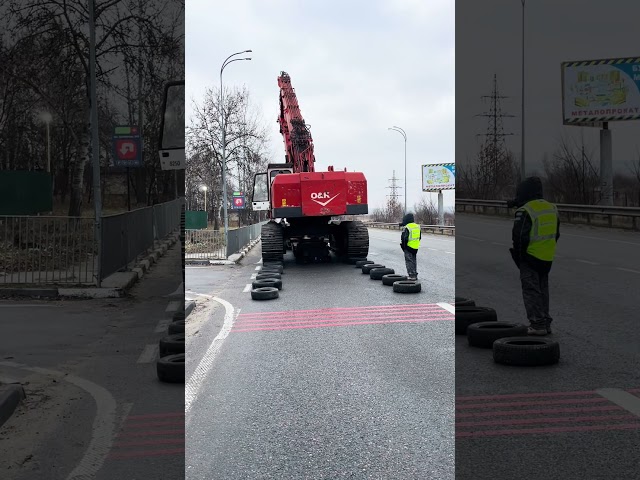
x=535 y=293
x=411 y=261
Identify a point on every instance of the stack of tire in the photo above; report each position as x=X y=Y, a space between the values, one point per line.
x=170 y=365
x=268 y=282
x=388 y=276
x=509 y=341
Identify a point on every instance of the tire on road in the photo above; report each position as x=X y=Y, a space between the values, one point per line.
x=464 y=302
x=170 y=368
x=274 y=264
x=391 y=278
x=262 y=276
x=526 y=351
x=171 y=344
x=483 y=334
x=267 y=282
x=176 y=327
x=378 y=273
x=362 y=263
x=370 y=266
x=407 y=286
x=466 y=316
x=264 y=293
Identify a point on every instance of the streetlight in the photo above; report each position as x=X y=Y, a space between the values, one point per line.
x=46 y=118
x=403 y=133
x=224 y=144
x=204 y=189
x=522 y=171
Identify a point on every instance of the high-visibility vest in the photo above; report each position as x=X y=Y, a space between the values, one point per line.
x=544 y=228
x=414 y=235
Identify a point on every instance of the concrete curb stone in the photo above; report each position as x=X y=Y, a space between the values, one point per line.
x=10 y=398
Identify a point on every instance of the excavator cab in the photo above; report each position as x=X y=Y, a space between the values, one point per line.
x=262 y=185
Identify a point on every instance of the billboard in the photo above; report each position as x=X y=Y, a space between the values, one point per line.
x=595 y=91
x=438 y=176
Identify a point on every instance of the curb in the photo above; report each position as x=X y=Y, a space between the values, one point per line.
x=247 y=249
x=189 y=308
x=10 y=398
x=135 y=274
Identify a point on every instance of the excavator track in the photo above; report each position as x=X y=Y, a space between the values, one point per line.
x=272 y=242
x=357 y=239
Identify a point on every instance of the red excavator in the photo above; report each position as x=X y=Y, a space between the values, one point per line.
x=311 y=213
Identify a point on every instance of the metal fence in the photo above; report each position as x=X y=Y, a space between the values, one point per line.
x=47 y=250
x=596 y=215
x=434 y=229
x=209 y=244
x=242 y=236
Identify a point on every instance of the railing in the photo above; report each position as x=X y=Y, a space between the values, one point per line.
x=209 y=244
x=47 y=250
x=597 y=215
x=434 y=229
x=242 y=236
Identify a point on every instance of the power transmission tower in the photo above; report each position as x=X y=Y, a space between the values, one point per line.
x=393 y=197
x=495 y=164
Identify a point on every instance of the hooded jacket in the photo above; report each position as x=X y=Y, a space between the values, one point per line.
x=529 y=189
x=408 y=218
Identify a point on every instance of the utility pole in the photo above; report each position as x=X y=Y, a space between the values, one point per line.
x=392 y=201
x=493 y=157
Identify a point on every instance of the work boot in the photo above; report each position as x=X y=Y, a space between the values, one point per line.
x=540 y=332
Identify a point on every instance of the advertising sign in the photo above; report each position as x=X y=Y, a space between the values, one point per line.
x=127 y=151
x=438 y=176
x=596 y=91
x=237 y=202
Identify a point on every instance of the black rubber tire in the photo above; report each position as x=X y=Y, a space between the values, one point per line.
x=357 y=239
x=464 y=302
x=176 y=327
x=267 y=282
x=272 y=268
x=378 y=273
x=262 y=276
x=177 y=316
x=272 y=242
x=407 y=286
x=362 y=263
x=355 y=260
x=264 y=293
x=526 y=351
x=390 y=279
x=370 y=266
x=273 y=264
x=466 y=316
x=170 y=369
x=171 y=344
x=483 y=334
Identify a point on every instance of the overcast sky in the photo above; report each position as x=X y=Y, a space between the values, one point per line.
x=488 y=40
x=358 y=67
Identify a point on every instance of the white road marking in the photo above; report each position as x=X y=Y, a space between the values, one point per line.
x=258 y=268
x=448 y=307
x=148 y=354
x=246 y=288
x=162 y=325
x=589 y=262
x=600 y=239
x=451 y=253
x=172 y=307
x=103 y=424
x=627 y=270
x=623 y=399
x=195 y=382
x=254 y=276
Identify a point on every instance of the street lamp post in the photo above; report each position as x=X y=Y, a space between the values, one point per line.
x=522 y=167
x=404 y=134
x=204 y=189
x=224 y=144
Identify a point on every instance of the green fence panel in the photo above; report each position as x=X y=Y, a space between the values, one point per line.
x=195 y=220
x=25 y=193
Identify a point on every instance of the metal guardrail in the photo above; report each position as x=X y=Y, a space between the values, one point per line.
x=597 y=215
x=434 y=229
x=38 y=250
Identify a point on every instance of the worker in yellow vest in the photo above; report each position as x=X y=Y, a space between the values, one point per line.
x=536 y=230
x=410 y=243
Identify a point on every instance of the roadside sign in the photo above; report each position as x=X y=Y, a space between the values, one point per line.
x=238 y=200
x=438 y=176
x=127 y=147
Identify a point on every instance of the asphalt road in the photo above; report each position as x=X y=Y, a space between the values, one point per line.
x=552 y=422
x=340 y=377
x=107 y=391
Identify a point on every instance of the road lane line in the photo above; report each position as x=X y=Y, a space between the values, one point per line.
x=104 y=423
x=258 y=268
x=623 y=399
x=246 y=288
x=627 y=270
x=588 y=262
x=192 y=387
x=451 y=253
x=448 y=307
x=254 y=276
x=148 y=355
